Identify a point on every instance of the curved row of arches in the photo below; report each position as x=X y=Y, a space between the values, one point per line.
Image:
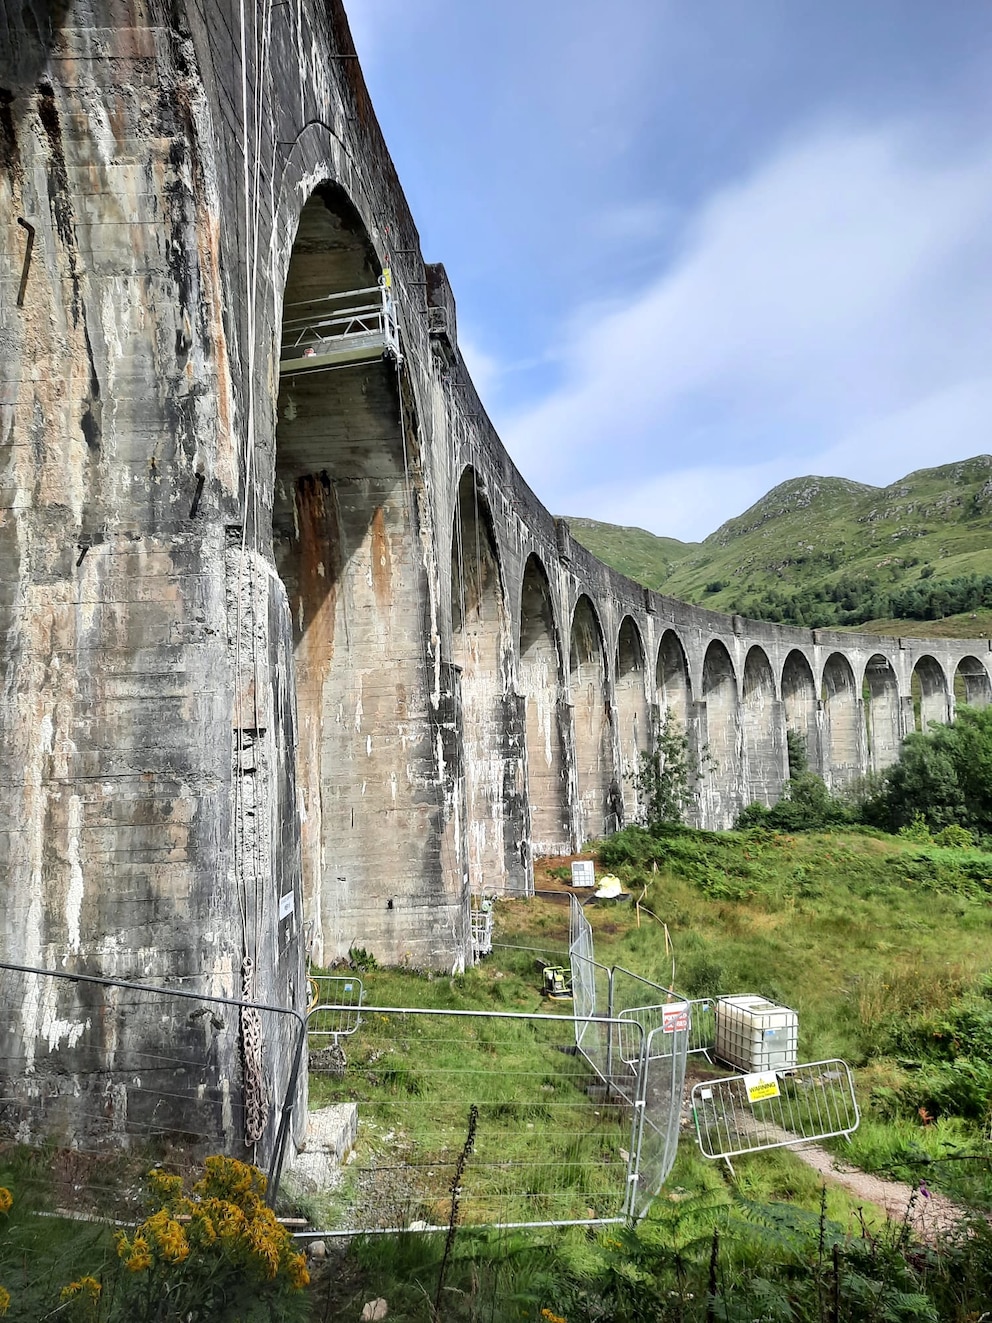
x=460 y=708
x=594 y=705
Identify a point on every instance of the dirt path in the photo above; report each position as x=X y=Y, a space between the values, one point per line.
x=929 y=1215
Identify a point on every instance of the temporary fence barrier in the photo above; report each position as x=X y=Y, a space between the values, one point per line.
x=592 y=999
x=661 y=1092
x=749 y=1113
x=702 y=1027
x=635 y=1034
x=491 y=1109
x=335 y=1008
x=482 y=925
x=105 y=1076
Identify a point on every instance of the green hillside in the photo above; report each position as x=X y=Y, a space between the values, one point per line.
x=829 y=552
x=633 y=551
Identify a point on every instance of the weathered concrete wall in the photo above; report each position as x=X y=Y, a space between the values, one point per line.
x=299 y=663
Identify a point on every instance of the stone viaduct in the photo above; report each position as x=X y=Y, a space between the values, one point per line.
x=295 y=660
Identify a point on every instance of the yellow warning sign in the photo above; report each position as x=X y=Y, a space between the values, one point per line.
x=762 y=1086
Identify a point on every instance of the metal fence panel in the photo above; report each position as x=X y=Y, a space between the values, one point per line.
x=635 y=1007
x=591 y=993
x=662 y=1091
x=109 y=1076
x=335 y=1008
x=749 y=1113
x=542 y=1150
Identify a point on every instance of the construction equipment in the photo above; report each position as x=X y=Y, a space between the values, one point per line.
x=557 y=982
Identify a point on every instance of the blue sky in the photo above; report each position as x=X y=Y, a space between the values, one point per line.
x=700 y=248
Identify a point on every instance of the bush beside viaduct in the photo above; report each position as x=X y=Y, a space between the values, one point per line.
x=298 y=661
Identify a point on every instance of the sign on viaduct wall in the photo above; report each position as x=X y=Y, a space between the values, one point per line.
x=296 y=660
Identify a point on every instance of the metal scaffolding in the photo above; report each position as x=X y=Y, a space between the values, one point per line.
x=337 y=330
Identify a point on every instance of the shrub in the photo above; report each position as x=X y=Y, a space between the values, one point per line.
x=955 y=837
x=668 y=777
x=798 y=753
x=806 y=805
x=917 y=830
x=943 y=776
x=215 y=1255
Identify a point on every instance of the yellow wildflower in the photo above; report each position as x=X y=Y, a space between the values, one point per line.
x=202 y=1228
x=4 y=1300
x=167 y=1235
x=263 y=1239
x=227 y=1178
x=86 y=1286
x=296 y=1270
x=163 y=1184
x=231 y=1222
x=135 y=1253
x=6 y=1199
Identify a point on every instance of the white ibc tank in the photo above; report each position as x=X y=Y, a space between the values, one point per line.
x=584 y=873
x=755 y=1035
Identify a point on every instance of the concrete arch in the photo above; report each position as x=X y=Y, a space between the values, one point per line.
x=721 y=782
x=346 y=548
x=799 y=700
x=545 y=714
x=480 y=648
x=971 y=683
x=316 y=159
x=633 y=714
x=930 y=692
x=883 y=723
x=597 y=792
x=764 y=764
x=843 y=730
x=672 y=678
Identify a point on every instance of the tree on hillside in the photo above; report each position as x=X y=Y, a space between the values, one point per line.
x=944 y=776
x=668 y=777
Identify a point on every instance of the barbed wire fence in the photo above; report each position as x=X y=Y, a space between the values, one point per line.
x=101 y=1078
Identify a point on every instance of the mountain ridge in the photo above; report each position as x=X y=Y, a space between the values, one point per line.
x=818 y=550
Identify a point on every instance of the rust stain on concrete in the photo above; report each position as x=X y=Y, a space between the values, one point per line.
x=382 y=567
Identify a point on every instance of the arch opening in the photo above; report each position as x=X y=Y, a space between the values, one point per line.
x=596 y=787
x=883 y=728
x=345 y=547
x=632 y=713
x=721 y=782
x=764 y=754
x=672 y=679
x=971 y=683
x=540 y=672
x=843 y=735
x=929 y=691
x=479 y=649
x=674 y=689
x=799 y=701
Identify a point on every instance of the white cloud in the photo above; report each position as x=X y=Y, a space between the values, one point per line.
x=830 y=314
x=484 y=368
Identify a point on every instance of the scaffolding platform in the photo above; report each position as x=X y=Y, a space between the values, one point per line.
x=338 y=330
